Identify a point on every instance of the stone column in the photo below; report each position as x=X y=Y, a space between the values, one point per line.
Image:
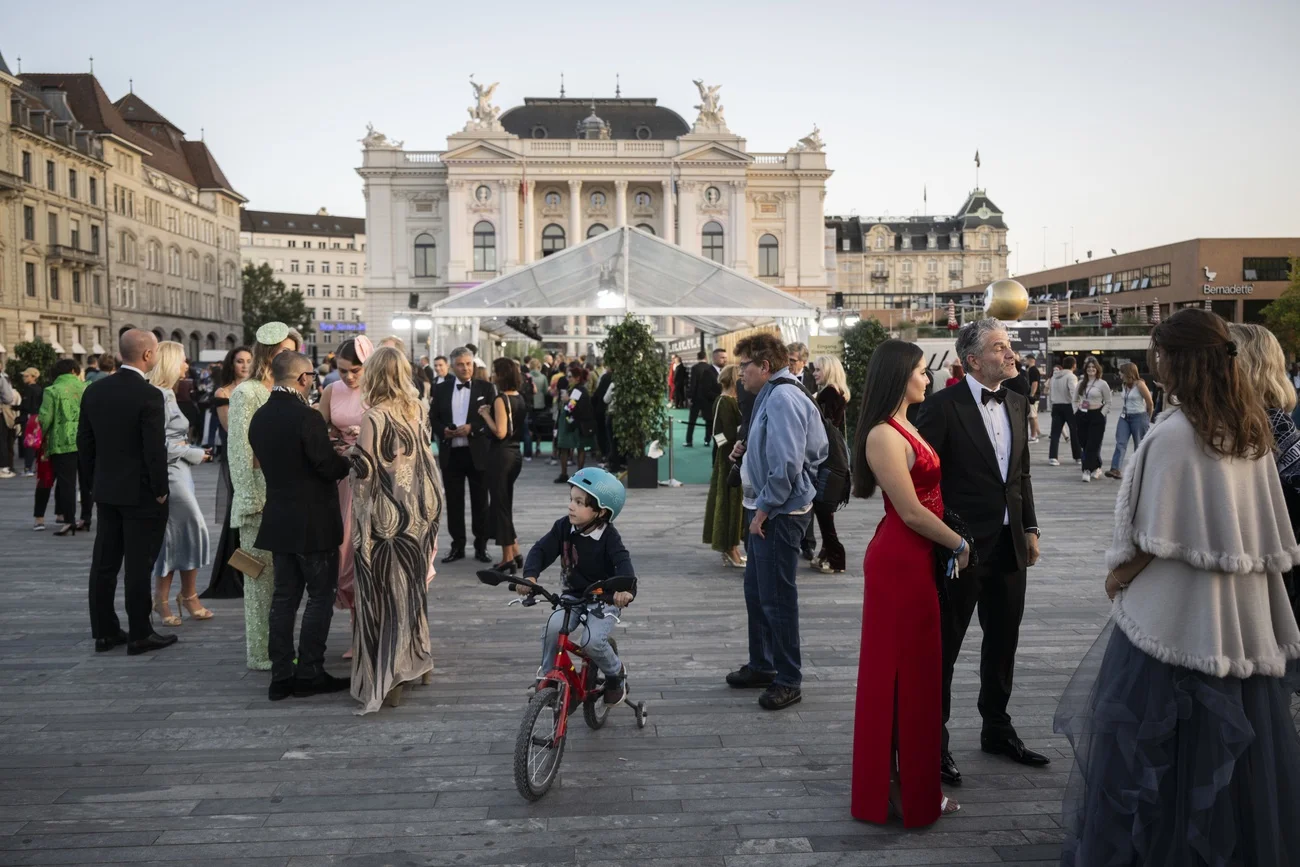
x=575 y=214
x=739 y=228
x=620 y=204
x=790 y=243
x=688 y=237
x=530 y=242
x=669 y=231
x=458 y=232
x=508 y=231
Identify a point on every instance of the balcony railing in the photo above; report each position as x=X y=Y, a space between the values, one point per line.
x=74 y=255
x=879 y=276
x=10 y=183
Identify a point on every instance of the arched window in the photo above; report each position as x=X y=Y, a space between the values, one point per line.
x=211 y=341
x=426 y=258
x=174 y=261
x=552 y=199
x=552 y=239
x=711 y=248
x=485 y=246
x=230 y=342
x=596 y=229
x=153 y=257
x=769 y=256
x=646 y=227
x=642 y=199
x=193 y=352
x=880 y=242
x=192 y=265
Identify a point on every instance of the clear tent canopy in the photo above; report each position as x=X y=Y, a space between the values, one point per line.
x=575 y=294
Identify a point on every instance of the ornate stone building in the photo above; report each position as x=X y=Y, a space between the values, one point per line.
x=886 y=263
x=323 y=257
x=173 y=219
x=53 y=277
x=515 y=186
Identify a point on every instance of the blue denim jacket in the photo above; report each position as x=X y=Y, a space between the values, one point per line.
x=785 y=447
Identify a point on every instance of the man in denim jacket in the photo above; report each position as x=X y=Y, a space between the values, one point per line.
x=784 y=448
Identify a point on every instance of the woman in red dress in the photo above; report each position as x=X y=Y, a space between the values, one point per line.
x=897 y=723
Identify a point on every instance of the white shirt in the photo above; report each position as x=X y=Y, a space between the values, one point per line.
x=997 y=424
x=460 y=410
x=143 y=375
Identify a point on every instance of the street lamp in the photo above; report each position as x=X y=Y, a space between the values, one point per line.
x=401 y=323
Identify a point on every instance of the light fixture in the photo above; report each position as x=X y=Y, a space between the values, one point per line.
x=423 y=324
x=851 y=320
x=607 y=300
x=830 y=323
x=401 y=322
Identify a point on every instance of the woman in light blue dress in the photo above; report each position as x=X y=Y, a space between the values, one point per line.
x=185 y=547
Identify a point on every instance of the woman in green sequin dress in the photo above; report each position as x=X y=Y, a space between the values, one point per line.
x=250 y=488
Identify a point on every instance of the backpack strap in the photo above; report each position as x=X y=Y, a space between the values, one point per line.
x=799 y=385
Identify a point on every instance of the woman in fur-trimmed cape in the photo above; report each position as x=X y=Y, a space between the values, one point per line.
x=1185 y=750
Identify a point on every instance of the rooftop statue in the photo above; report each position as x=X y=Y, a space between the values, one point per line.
x=709 y=108
x=375 y=139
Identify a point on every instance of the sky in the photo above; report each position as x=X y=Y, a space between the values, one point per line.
x=1099 y=124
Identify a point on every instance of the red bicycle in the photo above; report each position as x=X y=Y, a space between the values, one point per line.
x=572 y=682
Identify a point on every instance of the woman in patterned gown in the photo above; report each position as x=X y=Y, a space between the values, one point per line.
x=396 y=507
x=249 y=495
x=343 y=409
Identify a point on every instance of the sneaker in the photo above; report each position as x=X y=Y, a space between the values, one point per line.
x=27 y=474
x=529 y=459
x=616 y=687
x=746 y=678
x=1087 y=476
x=808 y=554
x=779 y=697
x=6 y=473
x=1053 y=462
x=552 y=462
x=1097 y=474
x=38 y=527
x=1033 y=440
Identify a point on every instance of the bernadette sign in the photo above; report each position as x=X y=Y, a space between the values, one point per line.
x=1240 y=289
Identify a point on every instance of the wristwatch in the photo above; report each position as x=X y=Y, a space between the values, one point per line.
x=1035 y=531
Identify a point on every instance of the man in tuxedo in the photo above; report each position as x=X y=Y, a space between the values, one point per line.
x=122 y=450
x=704 y=391
x=464 y=443
x=978 y=428
x=301 y=526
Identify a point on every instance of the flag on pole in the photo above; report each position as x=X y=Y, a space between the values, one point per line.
x=925 y=195
x=977 y=158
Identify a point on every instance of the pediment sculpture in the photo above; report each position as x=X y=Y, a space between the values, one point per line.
x=375 y=140
x=812 y=141
x=710 y=109
x=483 y=114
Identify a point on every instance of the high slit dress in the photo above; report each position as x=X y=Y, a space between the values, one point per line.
x=900 y=669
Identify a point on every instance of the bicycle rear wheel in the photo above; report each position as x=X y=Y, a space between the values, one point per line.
x=594 y=710
x=538 y=749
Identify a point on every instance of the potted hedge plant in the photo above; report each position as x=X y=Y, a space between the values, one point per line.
x=639 y=374
x=860 y=342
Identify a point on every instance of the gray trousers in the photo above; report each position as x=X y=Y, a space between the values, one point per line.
x=592 y=637
x=318 y=574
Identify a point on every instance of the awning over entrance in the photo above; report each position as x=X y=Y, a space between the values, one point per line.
x=624 y=271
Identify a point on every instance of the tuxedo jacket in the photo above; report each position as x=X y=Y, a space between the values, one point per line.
x=972 y=484
x=302 y=471
x=704 y=386
x=480 y=438
x=120 y=440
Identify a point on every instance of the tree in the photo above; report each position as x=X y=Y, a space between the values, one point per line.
x=1283 y=315
x=859 y=342
x=267 y=300
x=37 y=354
x=638 y=375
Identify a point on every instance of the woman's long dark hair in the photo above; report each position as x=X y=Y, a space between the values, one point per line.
x=883 y=389
x=228 y=365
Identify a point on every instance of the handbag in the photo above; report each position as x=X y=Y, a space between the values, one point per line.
x=33 y=438
x=245 y=562
x=943 y=555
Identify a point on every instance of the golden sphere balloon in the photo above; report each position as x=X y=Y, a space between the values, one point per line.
x=1005 y=299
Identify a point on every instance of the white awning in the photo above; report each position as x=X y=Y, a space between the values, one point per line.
x=2 y=349
x=97 y=349
x=58 y=347
x=78 y=349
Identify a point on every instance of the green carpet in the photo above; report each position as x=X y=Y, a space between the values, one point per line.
x=691 y=466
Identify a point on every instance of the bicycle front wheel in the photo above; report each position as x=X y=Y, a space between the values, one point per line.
x=539 y=746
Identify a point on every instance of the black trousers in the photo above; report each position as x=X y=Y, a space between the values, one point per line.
x=702 y=413
x=67 y=481
x=1063 y=419
x=614 y=457
x=506 y=464
x=457 y=469
x=318 y=574
x=997 y=590
x=832 y=548
x=134 y=534
x=1091 y=425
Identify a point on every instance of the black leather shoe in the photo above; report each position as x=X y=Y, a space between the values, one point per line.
x=153 y=641
x=482 y=556
x=280 y=689
x=948 y=769
x=808 y=554
x=321 y=683
x=780 y=697
x=454 y=554
x=1013 y=748
x=746 y=678
x=103 y=645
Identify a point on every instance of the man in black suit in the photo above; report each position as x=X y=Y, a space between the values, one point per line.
x=463 y=449
x=704 y=391
x=301 y=526
x=978 y=429
x=122 y=450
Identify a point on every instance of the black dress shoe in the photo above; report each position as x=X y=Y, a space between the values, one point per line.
x=280 y=689
x=948 y=769
x=153 y=641
x=780 y=697
x=482 y=556
x=454 y=554
x=103 y=645
x=747 y=678
x=321 y=683
x=1013 y=748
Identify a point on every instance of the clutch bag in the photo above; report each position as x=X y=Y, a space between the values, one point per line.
x=246 y=563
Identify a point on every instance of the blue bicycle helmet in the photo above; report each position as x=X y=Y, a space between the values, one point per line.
x=607 y=489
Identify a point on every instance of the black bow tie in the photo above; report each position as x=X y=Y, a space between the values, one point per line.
x=460 y=385
x=1000 y=395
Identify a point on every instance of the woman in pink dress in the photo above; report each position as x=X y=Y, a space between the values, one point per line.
x=343 y=408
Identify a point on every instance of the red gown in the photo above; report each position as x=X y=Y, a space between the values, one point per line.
x=900 y=668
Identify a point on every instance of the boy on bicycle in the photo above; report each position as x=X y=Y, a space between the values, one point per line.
x=589 y=550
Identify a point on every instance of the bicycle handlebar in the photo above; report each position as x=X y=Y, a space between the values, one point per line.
x=615 y=584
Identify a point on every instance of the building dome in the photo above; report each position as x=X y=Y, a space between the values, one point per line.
x=593 y=127
x=636 y=119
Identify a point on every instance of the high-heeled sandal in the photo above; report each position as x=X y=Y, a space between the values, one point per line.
x=395 y=696
x=948 y=806
x=82 y=526
x=519 y=561
x=66 y=530
x=161 y=608
x=193 y=607
x=735 y=564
